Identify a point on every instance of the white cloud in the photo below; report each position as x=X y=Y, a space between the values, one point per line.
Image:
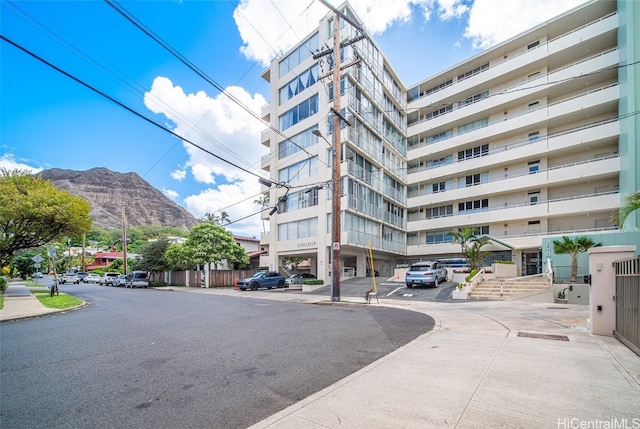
x=227 y=132
x=178 y=175
x=494 y=21
x=237 y=199
x=219 y=125
x=265 y=33
x=8 y=161
x=170 y=193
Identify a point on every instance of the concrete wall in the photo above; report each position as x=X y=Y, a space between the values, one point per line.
x=602 y=312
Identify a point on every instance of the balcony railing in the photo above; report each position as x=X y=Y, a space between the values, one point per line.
x=514 y=56
x=517 y=144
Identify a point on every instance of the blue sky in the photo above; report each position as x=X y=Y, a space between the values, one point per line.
x=47 y=120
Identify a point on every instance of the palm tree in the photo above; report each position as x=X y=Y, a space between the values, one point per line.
x=471 y=246
x=263 y=202
x=631 y=204
x=464 y=237
x=211 y=218
x=224 y=217
x=573 y=247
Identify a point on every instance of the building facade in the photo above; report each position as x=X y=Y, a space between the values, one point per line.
x=531 y=139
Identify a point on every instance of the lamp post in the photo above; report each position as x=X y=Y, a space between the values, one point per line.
x=335 y=266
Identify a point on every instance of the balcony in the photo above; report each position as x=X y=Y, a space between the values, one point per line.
x=591 y=169
x=567 y=206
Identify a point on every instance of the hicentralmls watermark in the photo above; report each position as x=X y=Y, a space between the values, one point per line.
x=576 y=423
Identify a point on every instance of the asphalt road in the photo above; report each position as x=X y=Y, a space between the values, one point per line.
x=358 y=286
x=144 y=358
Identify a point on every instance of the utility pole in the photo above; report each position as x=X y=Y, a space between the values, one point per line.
x=124 y=240
x=336 y=265
x=84 y=264
x=337 y=154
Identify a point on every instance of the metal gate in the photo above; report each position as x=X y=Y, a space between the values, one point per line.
x=628 y=302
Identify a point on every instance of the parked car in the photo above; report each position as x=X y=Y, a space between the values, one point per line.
x=426 y=273
x=137 y=279
x=69 y=278
x=298 y=279
x=108 y=279
x=262 y=279
x=92 y=278
x=37 y=275
x=121 y=280
x=82 y=276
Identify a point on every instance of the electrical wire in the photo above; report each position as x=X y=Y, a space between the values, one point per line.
x=124 y=106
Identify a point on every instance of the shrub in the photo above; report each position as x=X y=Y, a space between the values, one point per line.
x=471 y=274
x=504 y=262
x=313 y=281
x=3 y=284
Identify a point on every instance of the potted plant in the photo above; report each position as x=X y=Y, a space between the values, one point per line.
x=460 y=292
x=561 y=297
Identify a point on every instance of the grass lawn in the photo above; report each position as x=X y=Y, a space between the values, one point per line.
x=60 y=301
x=1 y=302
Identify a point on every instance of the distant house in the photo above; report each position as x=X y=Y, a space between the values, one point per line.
x=104 y=259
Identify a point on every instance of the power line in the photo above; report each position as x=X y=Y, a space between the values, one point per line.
x=124 y=106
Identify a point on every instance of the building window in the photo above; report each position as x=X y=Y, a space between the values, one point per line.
x=471 y=126
x=473 y=99
x=534 y=197
x=299 y=171
x=533 y=45
x=437 y=212
x=535 y=135
x=534 y=103
x=473 y=206
x=439 y=112
x=440 y=136
x=303 y=52
x=297 y=143
x=473 y=152
x=438 y=237
x=306 y=79
x=474 y=179
x=438 y=187
x=474 y=71
x=304 y=228
x=300 y=112
x=534 y=166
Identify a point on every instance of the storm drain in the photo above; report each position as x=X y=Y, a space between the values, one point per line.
x=544 y=336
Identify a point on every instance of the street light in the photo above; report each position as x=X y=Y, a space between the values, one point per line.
x=335 y=215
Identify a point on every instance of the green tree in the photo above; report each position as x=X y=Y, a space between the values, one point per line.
x=33 y=212
x=573 y=247
x=178 y=258
x=212 y=243
x=153 y=256
x=464 y=237
x=630 y=204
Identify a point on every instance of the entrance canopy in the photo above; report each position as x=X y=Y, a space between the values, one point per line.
x=486 y=237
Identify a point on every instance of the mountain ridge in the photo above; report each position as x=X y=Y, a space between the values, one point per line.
x=108 y=191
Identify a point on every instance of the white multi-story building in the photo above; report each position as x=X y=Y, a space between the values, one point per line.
x=529 y=140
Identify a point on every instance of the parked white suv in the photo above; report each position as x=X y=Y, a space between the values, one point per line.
x=109 y=279
x=426 y=273
x=69 y=278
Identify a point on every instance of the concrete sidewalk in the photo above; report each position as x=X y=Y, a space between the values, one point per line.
x=486 y=364
x=523 y=363
x=20 y=303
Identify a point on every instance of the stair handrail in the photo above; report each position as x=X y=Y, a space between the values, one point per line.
x=476 y=279
x=520 y=278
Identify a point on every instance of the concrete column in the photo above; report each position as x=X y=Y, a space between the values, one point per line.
x=602 y=312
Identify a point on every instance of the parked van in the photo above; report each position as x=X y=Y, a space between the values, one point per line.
x=137 y=279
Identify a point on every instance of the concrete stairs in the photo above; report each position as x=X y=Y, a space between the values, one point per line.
x=490 y=289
